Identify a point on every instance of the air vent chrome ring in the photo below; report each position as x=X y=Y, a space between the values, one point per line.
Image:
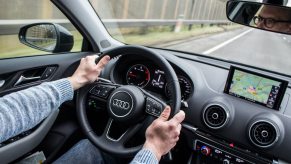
x=215 y=116
x=263 y=133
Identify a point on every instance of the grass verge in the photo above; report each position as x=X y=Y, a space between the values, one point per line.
x=154 y=37
x=11 y=47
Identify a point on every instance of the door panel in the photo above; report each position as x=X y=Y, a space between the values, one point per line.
x=59 y=66
x=21 y=73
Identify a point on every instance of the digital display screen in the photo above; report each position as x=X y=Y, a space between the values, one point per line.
x=258 y=88
x=158 y=79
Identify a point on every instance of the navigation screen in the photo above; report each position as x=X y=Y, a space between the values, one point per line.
x=257 y=88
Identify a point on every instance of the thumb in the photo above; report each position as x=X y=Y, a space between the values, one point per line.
x=165 y=114
x=178 y=118
x=101 y=64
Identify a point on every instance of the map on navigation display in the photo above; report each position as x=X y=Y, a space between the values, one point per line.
x=254 y=88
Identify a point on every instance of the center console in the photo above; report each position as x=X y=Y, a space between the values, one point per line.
x=208 y=149
x=245 y=91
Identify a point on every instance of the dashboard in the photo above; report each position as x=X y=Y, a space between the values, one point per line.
x=235 y=114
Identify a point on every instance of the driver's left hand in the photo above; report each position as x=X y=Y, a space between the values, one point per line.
x=88 y=71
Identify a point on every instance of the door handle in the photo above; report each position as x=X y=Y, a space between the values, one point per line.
x=25 y=79
x=2 y=82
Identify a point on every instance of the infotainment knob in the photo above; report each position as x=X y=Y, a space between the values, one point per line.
x=205 y=150
x=225 y=161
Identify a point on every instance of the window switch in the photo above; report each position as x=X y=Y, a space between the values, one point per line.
x=48 y=72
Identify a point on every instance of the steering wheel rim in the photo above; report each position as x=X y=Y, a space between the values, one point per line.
x=173 y=86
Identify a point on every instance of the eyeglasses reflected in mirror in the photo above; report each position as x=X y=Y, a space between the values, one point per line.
x=260 y=15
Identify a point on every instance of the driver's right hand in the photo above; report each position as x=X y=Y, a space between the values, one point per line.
x=163 y=134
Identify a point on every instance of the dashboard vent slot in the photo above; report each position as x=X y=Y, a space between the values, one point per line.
x=263 y=134
x=215 y=116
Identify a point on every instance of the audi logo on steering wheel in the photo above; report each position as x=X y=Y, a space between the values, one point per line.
x=121 y=104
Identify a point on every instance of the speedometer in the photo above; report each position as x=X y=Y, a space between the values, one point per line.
x=138 y=75
x=186 y=88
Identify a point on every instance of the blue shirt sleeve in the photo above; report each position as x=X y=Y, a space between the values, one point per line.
x=144 y=156
x=23 y=110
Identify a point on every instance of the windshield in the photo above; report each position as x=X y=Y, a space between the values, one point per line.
x=195 y=26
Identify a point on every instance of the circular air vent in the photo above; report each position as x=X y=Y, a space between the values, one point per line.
x=215 y=116
x=263 y=134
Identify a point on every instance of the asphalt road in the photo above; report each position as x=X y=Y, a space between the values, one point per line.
x=250 y=46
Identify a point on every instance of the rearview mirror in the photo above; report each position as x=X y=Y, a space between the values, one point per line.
x=47 y=37
x=265 y=16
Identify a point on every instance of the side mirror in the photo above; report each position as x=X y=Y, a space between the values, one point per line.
x=265 y=16
x=48 y=37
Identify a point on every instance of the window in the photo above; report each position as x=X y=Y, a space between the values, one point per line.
x=15 y=13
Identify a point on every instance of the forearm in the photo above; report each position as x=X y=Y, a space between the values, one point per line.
x=145 y=156
x=21 y=111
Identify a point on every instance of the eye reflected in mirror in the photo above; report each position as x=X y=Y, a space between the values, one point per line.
x=260 y=15
x=42 y=36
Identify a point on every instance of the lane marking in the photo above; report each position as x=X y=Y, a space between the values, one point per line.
x=226 y=42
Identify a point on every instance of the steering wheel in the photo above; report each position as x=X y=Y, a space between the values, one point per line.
x=127 y=104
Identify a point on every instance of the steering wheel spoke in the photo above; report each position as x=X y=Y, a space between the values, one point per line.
x=123 y=137
x=131 y=131
x=107 y=129
x=102 y=90
x=154 y=106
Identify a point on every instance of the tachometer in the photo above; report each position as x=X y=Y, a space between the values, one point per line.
x=186 y=88
x=138 y=75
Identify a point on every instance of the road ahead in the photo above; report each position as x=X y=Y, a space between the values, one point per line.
x=249 y=46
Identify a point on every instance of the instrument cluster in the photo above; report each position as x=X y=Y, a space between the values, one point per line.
x=153 y=79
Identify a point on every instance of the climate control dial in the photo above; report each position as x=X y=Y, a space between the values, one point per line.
x=205 y=150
